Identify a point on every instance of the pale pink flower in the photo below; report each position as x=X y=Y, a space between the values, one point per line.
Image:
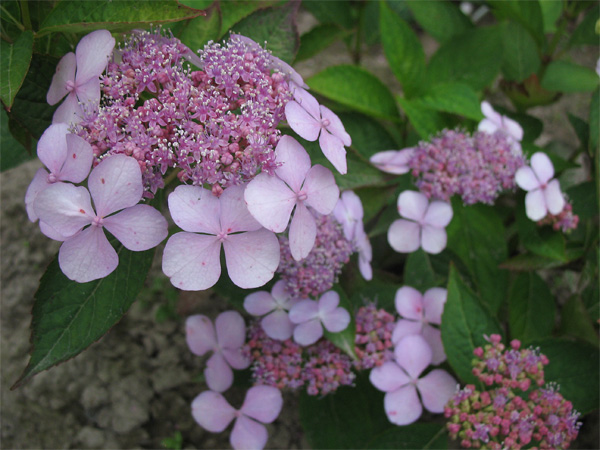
x=400 y=381
x=313 y=121
x=311 y=316
x=271 y=199
x=423 y=225
x=261 y=405
x=115 y=184
x=393 y=161
x=225 y=343
x=78 y=77
x=192 y=258
x=274 y=308
x=544 y=194
x=418 y=312
x=68 y=158
x=494 y=122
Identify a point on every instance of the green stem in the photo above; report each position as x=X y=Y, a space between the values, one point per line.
x=171 y=177
x=434 y=438
x=25 y=14
x=12 y=19
x=556 y=38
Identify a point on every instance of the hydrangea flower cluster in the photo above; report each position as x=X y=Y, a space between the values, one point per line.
x=515 y=411
x=373 y=342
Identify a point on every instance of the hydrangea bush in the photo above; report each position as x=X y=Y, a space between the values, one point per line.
x=380 y=243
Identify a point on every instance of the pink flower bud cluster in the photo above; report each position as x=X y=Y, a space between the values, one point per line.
x=564 y=221
x=217 y=125
x=503 y=417
x=318 y=272
x=373 y=342
x=477 y=167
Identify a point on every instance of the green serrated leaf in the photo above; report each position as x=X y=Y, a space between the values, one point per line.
x=564 y=76
x=338 y=12
x=276 y=27
x=551 y=11
x=14 y=63
x=68 y=316
x=476 y=235
x=426 y=121
x=368 y=136
x=72 y=16
x=520 y=57
x=473 y=57
x=12 y=153
x=441 y=19
x=318 y=39
x=464 y=323
x=232 y=11
x=531 y=308
x=542 y=241
x=576 y=322
x=356 y=88
x=403 y=50
x=528 y=14
x=574 y=366
x=418 y=271
x=454 y=98
x=199 y=31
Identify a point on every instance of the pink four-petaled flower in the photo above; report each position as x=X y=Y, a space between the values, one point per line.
x=495 y=121
x=393 y=161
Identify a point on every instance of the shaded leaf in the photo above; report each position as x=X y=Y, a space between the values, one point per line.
x=199 y=31
x=368 y=136
x=441 y=19
x=318 y=39
x=418 y=271
x=576 y=322
x=14 y=63
x=424 y=120
x=551 y=11
x=585 y=33
x=528 y=14
x=594 y=122
x=454 y=98
x=531 y=261
x=520 y=56
x=12 y=153
x=416 y=435
x=338 y=12
x=232 y=11
x=564 y=76
x=542 y=241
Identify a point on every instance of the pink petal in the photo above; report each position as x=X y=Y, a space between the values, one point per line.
x=405 y=328
x=195 y=209
x=263 y=403
x=348 y=211
x=87 y=256
x=138 y=228
x=79 y=156
x=280 y=295
x=259 y=303
x=218 y=374
x=433 y=336
x=336 y=321
x=231 y=329
x=252 y=257
x=554 y=198
x=234 y=212
x=542 y=167
x=308 y=103
x=50 y=232
x=393 y=161
x=364 y=266
x=236 y=358
x=512 y=128
x=413 y=354
x=535 y=205
x=321 y=190
x=93 y=53
x=526 y=179
x=192 y=261
x=248 y=434
x=52 y=147
x=69 y=112
x=439 y=214
x=409 y=303
x=333 y=149
x=303 y=232
x=115 y=183
x=37 y=185
x=436 y=388
x=335 y=126
x=308 y=333
x=487 y=126
x=412 y=205
x=270 y=201
x=328 y=302
x=299 y=120
x=388 y=377
x=433 y=239
x=212 y=412
x=434 y=300
x=277 y=325
x=89 y=95
x=65 y=71
x=287 y=70
x=64 y=207
x=404 y=236
x=294 y=160
x=303 y=311
x=403 y=406
x=200 y=334
x=489 y=112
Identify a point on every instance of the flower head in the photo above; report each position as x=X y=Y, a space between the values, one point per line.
x=495 y=122
x=393 y=161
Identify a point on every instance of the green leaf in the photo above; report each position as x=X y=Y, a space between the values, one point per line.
x=196 y=4
x=402 y=49
x=68 y=317
x=73 y=16
x=417 y=435
x=551 y=11
x=338 y=12
x=528 y=14
x=199 y=31
x=424 y=120
x=564 y=76
x=276 y=27
x=574 y=366
x=581 y=128
x=368 y=136
x=575 y=321
x=12 y=153
x=541 y=241
x=318 y=39
x=464 y=322
x=531 y=308
x=356 y=88
x=520 y=56
x=441 y=19
x=454 y=98
x=418 y=271
x=360 y=174
x=14 y=63
x=476 y=235
x=585 y=33
x=473 y=58
x=594 y=122
x=232 y=11
x=530 y=261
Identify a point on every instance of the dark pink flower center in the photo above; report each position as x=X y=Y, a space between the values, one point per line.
x=325 y=123
x=301 y=196
x=70 y=85
x=98 y=221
